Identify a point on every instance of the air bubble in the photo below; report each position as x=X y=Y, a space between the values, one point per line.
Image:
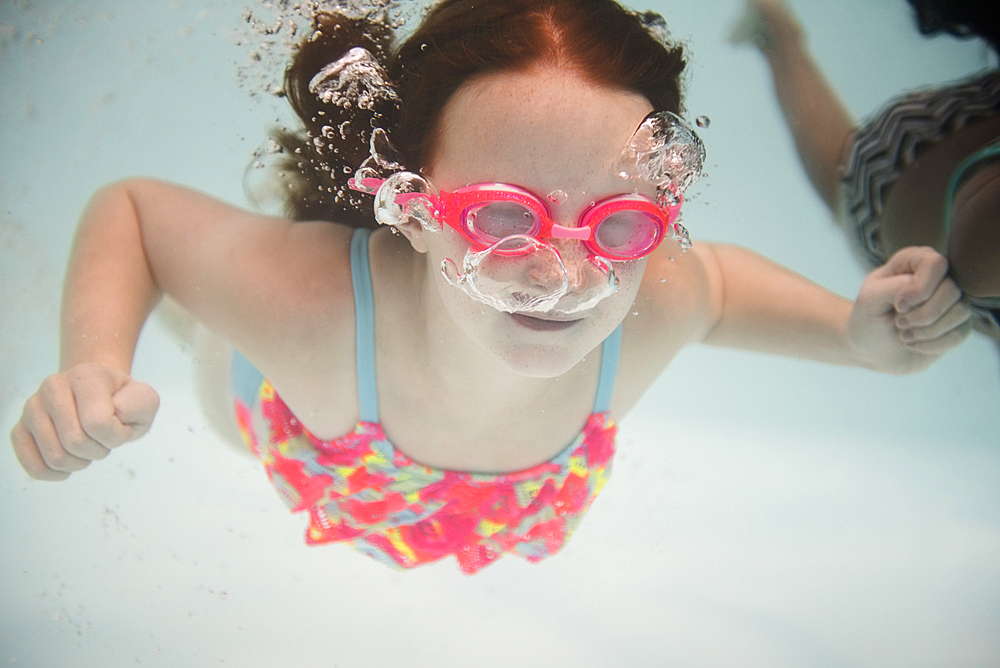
x=683 y=237
x=703 y=121
x=663 y=151
x=558 y=196
x=355 y=76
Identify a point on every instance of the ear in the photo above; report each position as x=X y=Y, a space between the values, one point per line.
x=415 y=234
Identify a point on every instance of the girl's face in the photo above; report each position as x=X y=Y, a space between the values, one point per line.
x=545 y=131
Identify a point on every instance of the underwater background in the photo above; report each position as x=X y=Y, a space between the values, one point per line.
x=762 y=511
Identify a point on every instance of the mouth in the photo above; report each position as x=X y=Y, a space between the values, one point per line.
x=542 y=324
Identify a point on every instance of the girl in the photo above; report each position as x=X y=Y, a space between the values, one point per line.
x=415 y=392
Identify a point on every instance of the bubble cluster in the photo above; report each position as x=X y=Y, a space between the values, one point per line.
x=407 y=197
x=383 y=159
x=665 y=152
x=522 y=274
x=271 y=30
x=656 y=26
x=265 y=183
x=354 y=78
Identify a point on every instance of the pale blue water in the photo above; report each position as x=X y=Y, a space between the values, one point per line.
x=763 y=512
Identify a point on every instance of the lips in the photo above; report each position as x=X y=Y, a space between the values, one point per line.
x=542 y=324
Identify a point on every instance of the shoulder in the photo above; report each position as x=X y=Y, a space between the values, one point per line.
x=675 y=307
x=301 y=333
x=679 y=294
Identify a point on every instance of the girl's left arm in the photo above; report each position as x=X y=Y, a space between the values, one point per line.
x=907 y=313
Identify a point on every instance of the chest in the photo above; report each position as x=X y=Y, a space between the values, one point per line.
x=471 y=428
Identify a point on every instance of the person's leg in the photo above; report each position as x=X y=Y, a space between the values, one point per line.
x=820 y=124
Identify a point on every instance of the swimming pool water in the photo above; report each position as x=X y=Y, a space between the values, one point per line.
x=763 y=512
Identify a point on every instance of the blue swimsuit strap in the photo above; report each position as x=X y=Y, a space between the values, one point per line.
x=983 y=154
x=610 y=352
x=364 y=317
x=365 y=338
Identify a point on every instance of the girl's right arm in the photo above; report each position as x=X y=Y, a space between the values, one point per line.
x=251 y=278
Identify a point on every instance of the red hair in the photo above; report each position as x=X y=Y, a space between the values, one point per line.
x=457 y=41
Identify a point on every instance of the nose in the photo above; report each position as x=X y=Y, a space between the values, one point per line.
x=582 y=273
x=545 y=269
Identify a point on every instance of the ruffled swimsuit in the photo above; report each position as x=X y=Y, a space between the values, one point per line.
x=361 y=490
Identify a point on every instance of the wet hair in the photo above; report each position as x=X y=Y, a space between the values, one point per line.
x=457 y=41
x=963 y=18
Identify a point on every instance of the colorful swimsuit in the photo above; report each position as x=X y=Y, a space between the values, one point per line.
x=892 y=140
x=359 y=489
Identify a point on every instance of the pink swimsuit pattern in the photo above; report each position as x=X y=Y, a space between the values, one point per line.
x=361 y=490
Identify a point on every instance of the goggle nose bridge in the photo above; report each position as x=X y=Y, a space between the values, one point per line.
x=563 y=232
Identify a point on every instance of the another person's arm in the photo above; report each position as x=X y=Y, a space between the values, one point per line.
x=819 y=122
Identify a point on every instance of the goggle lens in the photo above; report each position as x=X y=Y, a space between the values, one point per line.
x=628 y=234
x=492 y=221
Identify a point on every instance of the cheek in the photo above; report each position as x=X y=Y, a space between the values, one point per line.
x=629 y=276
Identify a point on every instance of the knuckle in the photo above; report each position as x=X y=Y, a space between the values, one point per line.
x=76 y=441
x=57 y=458
x=94 y=419
x=35 y=418
x=53 y=384
x=935 y=258
x=20 y=439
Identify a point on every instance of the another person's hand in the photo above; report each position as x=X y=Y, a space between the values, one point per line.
x=769 y=24
x=908 y=313
x=79 y=416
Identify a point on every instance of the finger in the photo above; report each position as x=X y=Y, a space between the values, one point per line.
x=942 y=344
x=38 y=422
x=927 y=269
x=879 y=292
x=97 y=415
x=58 y=401
x=942 y=302
x=135 y=405
x=26 y=451
x=956 y=317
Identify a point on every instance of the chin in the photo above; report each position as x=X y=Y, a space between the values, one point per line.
x=536 y=361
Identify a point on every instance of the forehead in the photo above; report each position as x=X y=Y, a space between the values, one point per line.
x=539 y=129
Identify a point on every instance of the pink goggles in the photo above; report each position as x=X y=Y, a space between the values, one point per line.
x=623 y=227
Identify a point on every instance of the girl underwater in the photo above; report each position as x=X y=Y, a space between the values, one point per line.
x=453 y=388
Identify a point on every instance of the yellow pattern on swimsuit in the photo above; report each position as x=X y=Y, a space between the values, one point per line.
x=360 y=490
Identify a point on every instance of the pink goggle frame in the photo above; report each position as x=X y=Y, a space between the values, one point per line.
x=623 y=227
